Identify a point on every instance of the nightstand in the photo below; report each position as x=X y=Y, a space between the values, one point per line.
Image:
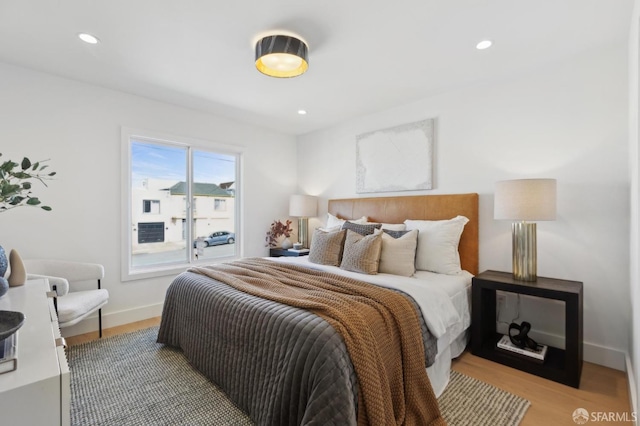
x=560 y=365
x=279 y=252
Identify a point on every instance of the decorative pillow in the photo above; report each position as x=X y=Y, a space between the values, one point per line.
x=395 y=234
x=336 y=221
x=326 y=247
x=391 y=226
x=398 y=254
x=438 y=244
x=330 y=229
x=361 y=253
x=367 y=229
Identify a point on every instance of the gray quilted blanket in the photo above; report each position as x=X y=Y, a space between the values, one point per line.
x=279 y=364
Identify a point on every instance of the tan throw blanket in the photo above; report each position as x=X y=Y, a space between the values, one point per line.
x=380 y=328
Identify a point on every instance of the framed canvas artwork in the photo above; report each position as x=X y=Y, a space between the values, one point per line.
x=399 y=158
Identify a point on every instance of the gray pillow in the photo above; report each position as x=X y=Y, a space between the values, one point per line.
x=395 y=234
x=398 y=254
x=361 y=253
x=326 y=247
x=362 y=229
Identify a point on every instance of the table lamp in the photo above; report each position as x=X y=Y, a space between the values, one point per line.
x=525 y=200
x=303 y=207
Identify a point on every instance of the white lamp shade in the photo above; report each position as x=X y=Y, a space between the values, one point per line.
x=303 y=206
x=525 y=199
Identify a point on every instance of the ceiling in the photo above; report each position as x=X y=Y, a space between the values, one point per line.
x=364 y=56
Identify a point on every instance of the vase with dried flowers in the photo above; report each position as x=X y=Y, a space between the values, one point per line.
x=277 y=230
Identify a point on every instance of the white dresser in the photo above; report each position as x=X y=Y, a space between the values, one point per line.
x=38 y=392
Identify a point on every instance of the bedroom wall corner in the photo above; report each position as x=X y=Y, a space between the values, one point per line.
x=633 y=357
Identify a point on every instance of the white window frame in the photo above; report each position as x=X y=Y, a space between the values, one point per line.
x=129 y=273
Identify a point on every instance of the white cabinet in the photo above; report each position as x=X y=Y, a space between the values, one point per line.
x=38 y=392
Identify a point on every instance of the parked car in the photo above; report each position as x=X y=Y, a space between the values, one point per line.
x=220 y=237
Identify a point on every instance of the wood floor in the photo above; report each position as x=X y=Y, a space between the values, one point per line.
x=601 y=389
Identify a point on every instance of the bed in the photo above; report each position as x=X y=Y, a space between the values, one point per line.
x=285 y=365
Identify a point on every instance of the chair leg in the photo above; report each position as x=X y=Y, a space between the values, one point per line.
x=99 y=315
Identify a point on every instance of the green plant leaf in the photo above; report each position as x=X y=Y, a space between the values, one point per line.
x=21 y=175
x=7 y=166
x=47 y=208
x=52 y=174
x=33 y=201
x=26 y=185
x=35 y=166
x=26 y=163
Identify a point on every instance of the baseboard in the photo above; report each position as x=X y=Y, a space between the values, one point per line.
x=594 y=353
x=602 y=355
x=633 y=390
x=113 y=319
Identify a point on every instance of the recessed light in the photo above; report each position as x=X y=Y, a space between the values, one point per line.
x=302 y=112
x=484 y=44
x=88 y=38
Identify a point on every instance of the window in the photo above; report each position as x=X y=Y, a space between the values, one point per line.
x=151 y=206
x=181 y=175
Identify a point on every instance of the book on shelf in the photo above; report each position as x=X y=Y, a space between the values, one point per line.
x=304 y=250
x=9 y=353
x=536 y=355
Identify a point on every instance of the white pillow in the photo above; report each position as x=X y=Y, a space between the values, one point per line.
x=438 y=244
x=391 y=226
x=398 y=254
x=333 y=221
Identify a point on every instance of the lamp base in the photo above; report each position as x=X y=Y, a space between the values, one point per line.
x=524 y=251
x=303 y=231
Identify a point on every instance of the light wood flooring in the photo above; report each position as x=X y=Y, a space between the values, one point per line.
x=601 y=389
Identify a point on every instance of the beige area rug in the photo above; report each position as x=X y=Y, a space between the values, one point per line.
x=129 y=379
x=468 y=401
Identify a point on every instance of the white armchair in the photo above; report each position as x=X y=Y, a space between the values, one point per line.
x=72 y=306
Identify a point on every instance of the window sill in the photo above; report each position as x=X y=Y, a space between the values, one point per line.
x=169 y=270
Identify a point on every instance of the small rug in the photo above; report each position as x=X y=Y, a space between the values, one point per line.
x=129 y=379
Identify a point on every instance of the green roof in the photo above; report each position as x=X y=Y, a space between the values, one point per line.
x=199 y=189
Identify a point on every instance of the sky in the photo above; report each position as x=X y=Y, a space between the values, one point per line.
x=156 y=161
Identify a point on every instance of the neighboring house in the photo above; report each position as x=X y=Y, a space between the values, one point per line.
x=159 y=212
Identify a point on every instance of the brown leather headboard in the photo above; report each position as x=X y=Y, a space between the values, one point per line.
x=419 y=207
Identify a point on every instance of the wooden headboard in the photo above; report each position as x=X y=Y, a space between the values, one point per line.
x=419 y=207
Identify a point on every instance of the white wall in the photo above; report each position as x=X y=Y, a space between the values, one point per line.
x=78 y=127
x=634 y=164
x=566 y=121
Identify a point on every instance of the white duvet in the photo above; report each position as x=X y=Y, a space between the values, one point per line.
x=443 y=299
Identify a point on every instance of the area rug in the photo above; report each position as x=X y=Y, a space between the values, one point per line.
x=129 y=379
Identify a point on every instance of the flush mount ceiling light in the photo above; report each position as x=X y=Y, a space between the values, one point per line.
x=281 y=56
x=88 y=38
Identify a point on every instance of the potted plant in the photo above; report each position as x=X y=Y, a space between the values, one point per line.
x=15 y=183
x=277 y=230
x=15 y=191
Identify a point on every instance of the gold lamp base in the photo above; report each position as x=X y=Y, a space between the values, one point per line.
x=303 y=231
x=524 y=251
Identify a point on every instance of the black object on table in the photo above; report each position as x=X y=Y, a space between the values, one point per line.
x=563 y=366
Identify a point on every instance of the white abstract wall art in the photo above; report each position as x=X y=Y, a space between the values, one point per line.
x=396 y=159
